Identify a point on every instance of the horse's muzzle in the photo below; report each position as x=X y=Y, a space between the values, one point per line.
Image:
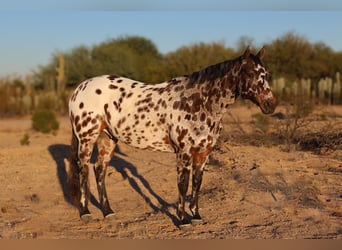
x=268 y=106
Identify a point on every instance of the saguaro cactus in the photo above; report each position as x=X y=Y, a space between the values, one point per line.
x=339 y=86
x=61 y=79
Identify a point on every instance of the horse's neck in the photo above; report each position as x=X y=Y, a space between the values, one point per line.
x=219 y=96
x=217 y=85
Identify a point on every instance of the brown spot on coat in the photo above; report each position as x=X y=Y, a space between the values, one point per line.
x=196 y=102
x=181 y=134
x=202 y=117
x=198 y=156
x=113 y=77
x=107 y=111
x=111 y=86
x=116 y=105
x=77 y=119
x=121 y=121
x=176 y=105
x=179 y=88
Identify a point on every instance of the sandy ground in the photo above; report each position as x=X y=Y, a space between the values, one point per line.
x=248 y=191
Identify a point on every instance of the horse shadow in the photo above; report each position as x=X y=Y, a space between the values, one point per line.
x=61 y=152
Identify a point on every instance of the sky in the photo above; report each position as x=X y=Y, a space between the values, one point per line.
x=32 y=30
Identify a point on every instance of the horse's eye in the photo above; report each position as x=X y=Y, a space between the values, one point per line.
x=251 y=75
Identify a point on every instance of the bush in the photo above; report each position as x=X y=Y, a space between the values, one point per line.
x=45 y=121
x=296 y=118
x=25 y=140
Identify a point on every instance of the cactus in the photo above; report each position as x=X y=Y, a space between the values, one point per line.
x=61 y=79
x=339 y=86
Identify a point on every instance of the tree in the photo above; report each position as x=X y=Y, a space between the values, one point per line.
x=78 y=65
x=112 y=58
x=188 y=59
x=289 y=56
x=134 y=57
x=146 y=57
x=44 y=78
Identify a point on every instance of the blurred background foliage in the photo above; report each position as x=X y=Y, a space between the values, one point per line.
x=297 y=67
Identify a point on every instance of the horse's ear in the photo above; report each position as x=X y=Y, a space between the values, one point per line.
x=261 y=53
x=247 y=52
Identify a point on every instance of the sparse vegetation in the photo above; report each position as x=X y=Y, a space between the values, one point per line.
x=252 y=189
x=321 y=142
x=25 y=140
x=296 y=117
x=299 y=126
x=262 y=122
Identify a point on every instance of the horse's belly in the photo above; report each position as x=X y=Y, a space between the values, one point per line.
x=155 y=143
x=144 y=137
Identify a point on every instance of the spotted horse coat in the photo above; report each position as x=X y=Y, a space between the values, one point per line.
x=182 y=115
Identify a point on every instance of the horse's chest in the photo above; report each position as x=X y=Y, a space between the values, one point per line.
x=202 y=134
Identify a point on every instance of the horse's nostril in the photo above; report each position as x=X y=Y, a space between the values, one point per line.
x=267 y=104
x=268 y=107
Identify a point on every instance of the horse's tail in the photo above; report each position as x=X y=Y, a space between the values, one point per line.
x=73 y=172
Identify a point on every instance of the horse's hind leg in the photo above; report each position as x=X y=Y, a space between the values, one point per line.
x=183 y=173
x=105 y=152
x=84 y=155
x=81 y=150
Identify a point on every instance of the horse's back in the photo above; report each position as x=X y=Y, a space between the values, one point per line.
x=134 y=112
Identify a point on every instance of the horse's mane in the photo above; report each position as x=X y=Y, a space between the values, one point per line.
x=212 y=72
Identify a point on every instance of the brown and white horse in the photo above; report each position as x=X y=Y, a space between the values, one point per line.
x=182 y=115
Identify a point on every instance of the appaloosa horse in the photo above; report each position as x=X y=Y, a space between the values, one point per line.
x=182 y=115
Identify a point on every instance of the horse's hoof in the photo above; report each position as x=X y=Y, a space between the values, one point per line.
x=185 y=226
x=196 y=222
x=86 y=218
x=110 y=217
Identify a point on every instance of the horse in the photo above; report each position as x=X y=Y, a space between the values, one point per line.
x=182 y=115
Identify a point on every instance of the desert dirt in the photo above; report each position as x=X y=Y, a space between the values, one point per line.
x=252 y=187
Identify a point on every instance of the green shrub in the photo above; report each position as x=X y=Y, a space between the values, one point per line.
x=45 y=121
x=25 y=140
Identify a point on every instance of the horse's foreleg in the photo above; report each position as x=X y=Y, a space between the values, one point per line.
x=183 y=183
x=196 y=185
x=199 y=161
x=105 y=152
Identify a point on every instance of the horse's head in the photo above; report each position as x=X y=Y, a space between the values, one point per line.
x=253 y=84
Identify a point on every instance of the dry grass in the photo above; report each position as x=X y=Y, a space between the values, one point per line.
x=251 y=188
